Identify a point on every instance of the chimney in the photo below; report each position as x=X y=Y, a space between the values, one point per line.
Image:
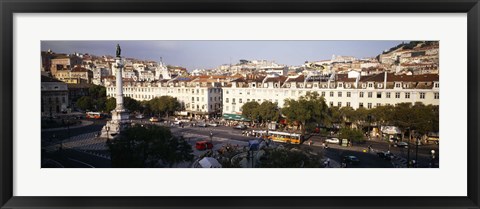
x=385 y=80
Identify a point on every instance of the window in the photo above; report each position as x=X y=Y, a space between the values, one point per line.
x=339 y=94
x=349 y=94
x=340 y=85
x=397 y=85
x=226 y=100
x=239 y=100
x=323 y=94
x=248 y=100
x=348 y=104
x=369 y=105
x=361 y=94
x=378 y=104
x=331 y=104
x=339 y=104
x=379 y=94
x=193 y=99
x=331 y=94
x=226 y=92
x=422 y=95
x=407 y=95
x=360 y=104
x=436 y=96
x=370 y=85
x=233 y=100
x=226 y=108
x=388 y=94
x=397 y=95
x=437 y=85
x=370 y=94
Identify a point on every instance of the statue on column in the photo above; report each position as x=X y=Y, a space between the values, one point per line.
x=119 y=50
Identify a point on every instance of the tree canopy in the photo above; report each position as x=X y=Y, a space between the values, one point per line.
x=164 y=105
x=148 y=146
x=310 y=108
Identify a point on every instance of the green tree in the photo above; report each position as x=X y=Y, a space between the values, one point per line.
x=308 y=109
x=284 y=158
x=110 y=104
x=403 y=117
x=131 y=104
x=352 y=134
x=148 y=146
x=250 y=110
x=164 y=105
x=85 y=103
x=96 y=91
x=268 y=111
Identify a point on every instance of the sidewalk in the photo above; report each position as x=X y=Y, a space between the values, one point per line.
x=84 y=123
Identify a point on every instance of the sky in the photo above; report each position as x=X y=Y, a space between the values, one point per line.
x=210 y=54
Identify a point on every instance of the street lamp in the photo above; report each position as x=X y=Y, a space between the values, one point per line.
x=416 y=151
x=432 y=163
x=107 y=128
x=211 y=136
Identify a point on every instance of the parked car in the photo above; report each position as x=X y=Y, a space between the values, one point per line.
x=240 y=126
x=333 y=141
x=177 y=122
x=213 y=124
x=154 y=119
x=139 y=116
x=203 y=145
x=385 y=155
x=352 y=160
x=202 y=125
x=401 y=144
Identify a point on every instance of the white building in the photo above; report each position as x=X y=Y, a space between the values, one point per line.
x=199 y=96
x=338 y=90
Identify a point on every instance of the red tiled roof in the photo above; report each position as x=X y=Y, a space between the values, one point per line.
x=344 y=78
x=380 y=77
x=413 y=78
x=300 y=78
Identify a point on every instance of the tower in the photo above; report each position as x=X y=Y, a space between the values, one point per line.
x=120 y=115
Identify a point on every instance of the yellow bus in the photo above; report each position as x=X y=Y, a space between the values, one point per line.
x=284 y=137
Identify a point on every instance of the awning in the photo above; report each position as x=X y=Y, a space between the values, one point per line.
x=392 y=130
x=227 y=116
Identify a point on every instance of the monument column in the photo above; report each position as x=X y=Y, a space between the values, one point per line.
x=120 y=115
x=119 y=83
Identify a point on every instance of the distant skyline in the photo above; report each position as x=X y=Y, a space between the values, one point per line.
x=210 y=54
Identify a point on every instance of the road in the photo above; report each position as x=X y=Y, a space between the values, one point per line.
x=88 y=154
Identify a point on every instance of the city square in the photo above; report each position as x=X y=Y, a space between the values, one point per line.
x=344 y=112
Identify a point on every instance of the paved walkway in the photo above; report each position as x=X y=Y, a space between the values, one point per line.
x=86 y=143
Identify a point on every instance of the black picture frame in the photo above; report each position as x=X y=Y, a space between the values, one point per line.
x=10 y=7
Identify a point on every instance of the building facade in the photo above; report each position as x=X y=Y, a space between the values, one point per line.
x=54 y=97
x=338 y=90
x=200 y=97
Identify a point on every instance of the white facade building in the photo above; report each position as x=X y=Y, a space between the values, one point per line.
x=338 y=90
x=198 y=96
